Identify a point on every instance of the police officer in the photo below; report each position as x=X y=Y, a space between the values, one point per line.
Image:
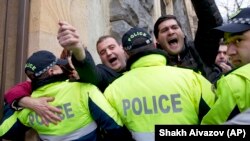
x=84 y=108
x=152 y=93
x=234 y=89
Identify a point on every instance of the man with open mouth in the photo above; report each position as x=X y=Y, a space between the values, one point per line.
x=198 y=55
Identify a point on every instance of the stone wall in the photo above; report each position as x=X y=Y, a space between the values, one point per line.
x=125 y=14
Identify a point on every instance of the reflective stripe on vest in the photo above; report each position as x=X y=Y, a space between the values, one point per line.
x=71 y=136
x=143 y=136
x=7 y=124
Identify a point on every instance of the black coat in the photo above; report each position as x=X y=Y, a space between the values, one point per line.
x=199 y=55
x=99 y=75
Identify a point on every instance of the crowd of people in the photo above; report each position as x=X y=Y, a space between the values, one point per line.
x=138 y=85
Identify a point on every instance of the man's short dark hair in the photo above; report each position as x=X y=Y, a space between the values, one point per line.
x=162 y=19
x=102 y=38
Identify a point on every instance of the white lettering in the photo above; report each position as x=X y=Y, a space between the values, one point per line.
x=205 y=133
x=177 y=132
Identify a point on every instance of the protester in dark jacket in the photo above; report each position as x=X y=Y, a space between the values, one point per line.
x=110 y=51
x=199 y=54
x=99 y=75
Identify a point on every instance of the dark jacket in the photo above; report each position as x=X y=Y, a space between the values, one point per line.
x=200 y=54
x=99 y=75
x=206 y=41
x=187 y=58
x=215 y=73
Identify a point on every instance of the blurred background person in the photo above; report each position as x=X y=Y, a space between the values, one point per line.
x=222 y=59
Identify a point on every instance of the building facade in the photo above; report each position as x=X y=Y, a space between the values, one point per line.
x=31 y=25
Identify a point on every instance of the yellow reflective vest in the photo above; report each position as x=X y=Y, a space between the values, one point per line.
x=82 y=104
x=152 y=93
x=233 y=91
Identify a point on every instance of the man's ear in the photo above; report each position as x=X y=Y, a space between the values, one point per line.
x=50 y=71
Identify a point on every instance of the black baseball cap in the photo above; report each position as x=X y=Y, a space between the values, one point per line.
x=40 y=61
x=238 y=23
x=136 y=37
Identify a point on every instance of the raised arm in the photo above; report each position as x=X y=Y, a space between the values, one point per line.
x=69 y=39
x=206 y=41
x=83 y=62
